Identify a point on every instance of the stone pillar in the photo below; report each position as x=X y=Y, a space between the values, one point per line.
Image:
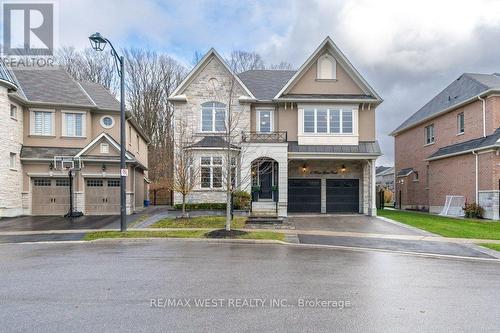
x=372 y=210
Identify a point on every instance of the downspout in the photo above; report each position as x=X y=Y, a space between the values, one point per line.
x=135 y=200
x=484 y=115
x=477 y=178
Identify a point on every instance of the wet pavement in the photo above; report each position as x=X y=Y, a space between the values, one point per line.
x=109 y=286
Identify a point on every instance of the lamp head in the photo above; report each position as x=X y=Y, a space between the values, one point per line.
x=97 y=42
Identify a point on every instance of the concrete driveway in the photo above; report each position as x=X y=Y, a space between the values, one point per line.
x=349 y=223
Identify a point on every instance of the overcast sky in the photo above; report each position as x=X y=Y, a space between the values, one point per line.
x=407 y=50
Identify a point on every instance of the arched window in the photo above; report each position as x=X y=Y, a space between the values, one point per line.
x=326 y=68
x=213 y=117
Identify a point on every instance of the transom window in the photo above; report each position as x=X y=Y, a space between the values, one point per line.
x=73 y=124
x=460 y=123
x=429 y=134
x=330 y=121
x=43 y=122
x=213 y=117
x=211 y=172
x=265 y=121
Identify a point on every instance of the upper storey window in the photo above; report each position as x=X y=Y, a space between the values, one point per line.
x=73 y=124
x=42 y=123
x=330 y=121
x=326 y=68
x=213 y=117
x=429 y=134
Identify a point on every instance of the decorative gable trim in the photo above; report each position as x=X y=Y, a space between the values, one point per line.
x=201 y=64
x=340 y=58
x=97 y=139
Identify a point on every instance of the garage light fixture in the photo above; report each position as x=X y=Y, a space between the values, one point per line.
x=342 y=168
x=304 y=168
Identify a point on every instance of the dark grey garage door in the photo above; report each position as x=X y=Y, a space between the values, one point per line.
x=304 y=195
x=342 y=195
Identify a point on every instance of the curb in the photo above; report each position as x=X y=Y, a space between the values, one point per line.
x=426 y=233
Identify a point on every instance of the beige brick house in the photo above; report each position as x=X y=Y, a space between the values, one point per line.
x=45 y=113
x=305 y=139
x=451 y=147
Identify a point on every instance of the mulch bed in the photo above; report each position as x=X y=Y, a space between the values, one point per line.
x=223 y=233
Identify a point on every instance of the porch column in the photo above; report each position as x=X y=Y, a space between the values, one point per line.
x=372 y=210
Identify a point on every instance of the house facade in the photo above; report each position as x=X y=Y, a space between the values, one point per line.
x=47 y=116
x=450 y=147
x=385 y=178
x=299 y=141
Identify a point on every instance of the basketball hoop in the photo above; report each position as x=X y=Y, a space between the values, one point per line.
x=69 y=164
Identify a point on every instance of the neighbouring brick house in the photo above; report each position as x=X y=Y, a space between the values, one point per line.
x=304 y=142
x=44 y=113
x=451 y=147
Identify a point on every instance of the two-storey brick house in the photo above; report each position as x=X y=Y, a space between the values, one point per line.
x=44 y=113
x=306 y=138
x=450 y=147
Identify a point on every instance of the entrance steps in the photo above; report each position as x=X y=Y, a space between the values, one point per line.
x=264 y=212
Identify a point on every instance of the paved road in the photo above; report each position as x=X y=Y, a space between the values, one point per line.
x=108 y=286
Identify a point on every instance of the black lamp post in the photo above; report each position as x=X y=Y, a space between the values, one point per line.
x=98 y=43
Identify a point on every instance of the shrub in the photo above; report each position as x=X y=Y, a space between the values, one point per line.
x=473 y=210
x=202 y=206
x=241 y=200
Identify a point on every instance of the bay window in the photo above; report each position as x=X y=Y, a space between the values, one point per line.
x=213 y=117
x=328 y=121
x=211 y=172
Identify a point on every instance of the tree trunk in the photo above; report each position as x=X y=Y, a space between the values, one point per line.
x=183 y=205
x=228 y=211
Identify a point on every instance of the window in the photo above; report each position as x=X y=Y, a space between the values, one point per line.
x=326 y=68
x=415 y=176
x=13 y=161
x=211 y=172
x=265 y=121
x=130 y=135
x=13 y=111
x=138 y=142
x=94 y=183
x=104 y=148
x=73 y=124
x=113 y=183
x=213 y=117
x=460 y=123
x=328 y=121
x=108 y=122
x=42 y=182
x=62 y=182
x=43 y=123
x=429 y=134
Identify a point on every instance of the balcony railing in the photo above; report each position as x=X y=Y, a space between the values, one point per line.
x=271 y=137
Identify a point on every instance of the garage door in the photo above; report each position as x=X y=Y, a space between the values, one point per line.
x=50 y=196
x=342 y=195
x=304 y=195
x=102 y=196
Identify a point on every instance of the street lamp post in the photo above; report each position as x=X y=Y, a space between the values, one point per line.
x=98 y=43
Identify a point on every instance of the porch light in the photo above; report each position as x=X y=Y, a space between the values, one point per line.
x=342 y=168
x=97 y=42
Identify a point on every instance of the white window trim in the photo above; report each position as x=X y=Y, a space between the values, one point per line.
x=271 y=115
x=334 y=68
x=13 y=167
x=213 y=118
x=460 y=115
x=211 y=167
x=433 y=135
x=32 y=121
x=64 y=125
x=354 y=113
x=102 y=145
x=15 y=117
x=101 y=121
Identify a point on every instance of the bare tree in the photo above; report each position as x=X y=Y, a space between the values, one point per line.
x=283 y=65
x=244 y=61
x=197 y=56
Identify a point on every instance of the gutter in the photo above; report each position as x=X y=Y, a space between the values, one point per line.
x=327 y=100
x=463 y=152
x=467 y=101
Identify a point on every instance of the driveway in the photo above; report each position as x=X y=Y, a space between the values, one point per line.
x=109 y=286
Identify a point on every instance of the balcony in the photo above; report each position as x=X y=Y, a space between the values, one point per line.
x=258 y=137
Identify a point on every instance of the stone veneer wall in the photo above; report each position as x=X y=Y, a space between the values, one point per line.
x=11 y=135
x=490 y=200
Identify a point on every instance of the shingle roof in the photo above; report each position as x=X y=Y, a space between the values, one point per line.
x=212 y=142
x=466 y=86
x=363 y=148
x=458 y=148
x=404 y=172
x=265 y=84
x=50 y=86
x=47 y=152
x=100 y=96
x=380 y=169
x=386 y=171
x=5 y=75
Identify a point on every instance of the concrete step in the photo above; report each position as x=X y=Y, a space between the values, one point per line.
x=253 y=220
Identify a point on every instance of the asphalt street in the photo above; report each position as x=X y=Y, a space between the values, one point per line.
x=112 y=285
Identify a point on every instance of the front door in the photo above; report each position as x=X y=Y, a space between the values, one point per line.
x=266 y=180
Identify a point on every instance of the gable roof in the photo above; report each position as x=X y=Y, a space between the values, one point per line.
x=199 y=66
x=461 y=91
x=265 y=84
x=489 y=141
x=100 y=96
x=341 y=59
x=53 y=86
x=108 y=137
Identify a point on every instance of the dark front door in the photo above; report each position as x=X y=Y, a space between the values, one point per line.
x=266 y=180
x=342 y=195
x=304 y=195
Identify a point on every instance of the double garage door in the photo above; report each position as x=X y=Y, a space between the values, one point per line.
x=102 y=196
x=342 y=195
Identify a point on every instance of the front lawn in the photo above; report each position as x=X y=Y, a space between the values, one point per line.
x=207 y=222
x=492 y=246
x=445 y=226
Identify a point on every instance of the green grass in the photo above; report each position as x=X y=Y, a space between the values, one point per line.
x=177 y=234
x=212 y=222
x=446 y=226
x=495 y=247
